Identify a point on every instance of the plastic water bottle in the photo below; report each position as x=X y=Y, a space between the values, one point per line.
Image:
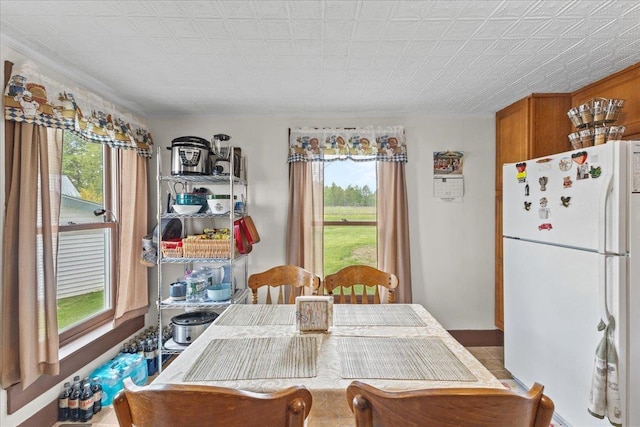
x=206 y=273
x=74 y=402
x=196 y=285
x=96 y=388
x=63 y=403
x=85 y=411
x=148 y=355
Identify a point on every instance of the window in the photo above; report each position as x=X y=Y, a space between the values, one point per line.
x=318 y=159
x=86 y=247
x=350 y=222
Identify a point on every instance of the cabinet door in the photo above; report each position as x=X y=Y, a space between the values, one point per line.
x=512 y=136
x=550 y=125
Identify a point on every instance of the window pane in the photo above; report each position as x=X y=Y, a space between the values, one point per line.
x=83 y=275
x=350 y=191
x=347 y=245
x=349 y=197
x=82 y=180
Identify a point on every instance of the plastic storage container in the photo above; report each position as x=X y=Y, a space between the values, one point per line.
x=219 y=203
x=113 y=373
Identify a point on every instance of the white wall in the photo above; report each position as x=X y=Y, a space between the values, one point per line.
x=452 y=244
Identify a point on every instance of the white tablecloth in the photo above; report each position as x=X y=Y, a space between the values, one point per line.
x=328 y=388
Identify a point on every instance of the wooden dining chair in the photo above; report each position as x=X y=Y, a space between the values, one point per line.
x=355 y=275
x=449 y=407
x=176 y=405
x=290 y=281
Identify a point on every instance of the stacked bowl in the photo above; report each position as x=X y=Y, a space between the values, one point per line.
x=189 y=203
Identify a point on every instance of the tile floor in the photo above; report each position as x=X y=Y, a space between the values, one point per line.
x=491 y=357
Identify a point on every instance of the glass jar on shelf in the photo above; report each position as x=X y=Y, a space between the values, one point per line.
x=585 y=113
x=600 y=135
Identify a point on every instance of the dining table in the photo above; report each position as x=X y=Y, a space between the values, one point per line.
x=259 y=348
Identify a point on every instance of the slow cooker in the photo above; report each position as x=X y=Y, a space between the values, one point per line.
x=191 y=155
x=188 y=326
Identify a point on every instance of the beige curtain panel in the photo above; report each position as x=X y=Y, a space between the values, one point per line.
x=132 y=298
x=393 y=228
x=29 y=302
x=305 y=216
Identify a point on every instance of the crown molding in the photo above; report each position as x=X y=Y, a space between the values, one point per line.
x=75 y=75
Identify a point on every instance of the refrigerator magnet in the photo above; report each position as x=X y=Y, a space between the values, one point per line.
x=522 y=172
x=527 y=206
x=583 y=172
x=544 y=163
x=544 y=213
x=595 y=172
x=583 y=167
x=566 y=182
x=543 y=180
x=580 y=157
x=565 y=164
x=565 y=201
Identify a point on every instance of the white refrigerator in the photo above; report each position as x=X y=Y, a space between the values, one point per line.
x=571 y=257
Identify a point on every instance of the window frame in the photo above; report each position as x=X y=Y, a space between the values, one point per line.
x=351 y=223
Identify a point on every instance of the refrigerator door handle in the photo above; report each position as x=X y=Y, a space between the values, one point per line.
x=602 y=214
x=602 y=288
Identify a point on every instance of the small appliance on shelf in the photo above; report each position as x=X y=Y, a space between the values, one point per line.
x=190 y=155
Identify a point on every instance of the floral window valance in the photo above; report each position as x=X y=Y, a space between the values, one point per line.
x=33 y=97
x=359 y=144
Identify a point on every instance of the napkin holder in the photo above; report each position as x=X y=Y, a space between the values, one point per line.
x=314 y=313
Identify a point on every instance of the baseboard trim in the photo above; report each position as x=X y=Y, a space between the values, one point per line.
x=479 y=338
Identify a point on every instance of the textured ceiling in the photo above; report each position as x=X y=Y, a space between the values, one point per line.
x=325 y=57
